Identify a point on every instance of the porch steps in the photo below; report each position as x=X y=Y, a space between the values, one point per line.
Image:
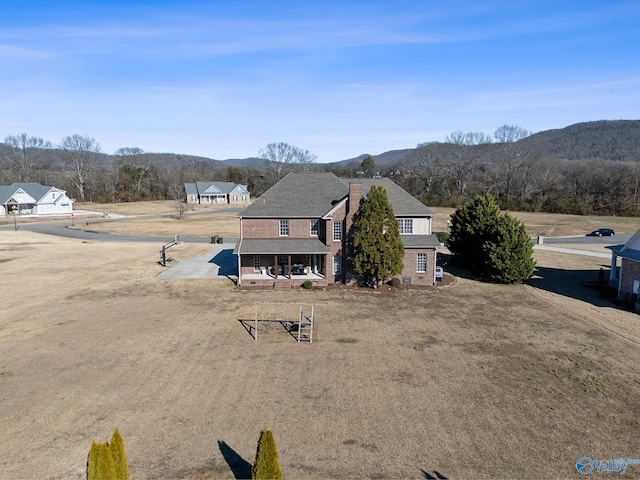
x=282 y=285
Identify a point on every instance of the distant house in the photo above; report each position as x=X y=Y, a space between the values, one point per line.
x=300 y=230
x=216 y=192
x=34 y=199
x=627 y=277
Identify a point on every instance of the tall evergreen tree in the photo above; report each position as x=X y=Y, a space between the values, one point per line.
x=494 y=246
x=266 y=465
x=508 y=255
x=470 y=228
x=377 y=247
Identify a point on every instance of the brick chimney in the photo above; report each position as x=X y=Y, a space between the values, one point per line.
x=355 y=195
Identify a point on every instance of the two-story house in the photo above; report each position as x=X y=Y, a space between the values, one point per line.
x=298 y=231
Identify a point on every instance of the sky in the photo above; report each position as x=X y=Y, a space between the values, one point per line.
x=222 y=79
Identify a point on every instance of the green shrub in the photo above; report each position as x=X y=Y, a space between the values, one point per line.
x=116 y=447
x=396 y=282
x=108 y=462
x=266 y=465
x=307 y=284
x=443 y=237
x=100 y=463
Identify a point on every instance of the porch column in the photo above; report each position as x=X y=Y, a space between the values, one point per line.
x=275 y=265
x=289 y=265
x=613 y=274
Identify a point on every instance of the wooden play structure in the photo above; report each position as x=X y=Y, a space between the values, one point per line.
x=296 y=318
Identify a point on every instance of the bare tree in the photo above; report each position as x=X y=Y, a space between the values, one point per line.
x=128 y=151
x=511 y=157
x=179 y=200
x=460 y=158
x=80 y=155
x=23 y=157
x=282 y=158
x=425 y=164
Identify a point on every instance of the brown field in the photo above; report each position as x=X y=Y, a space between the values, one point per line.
x=472 y=381
x=207 y=220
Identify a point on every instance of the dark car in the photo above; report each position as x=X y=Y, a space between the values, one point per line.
x=602 y=232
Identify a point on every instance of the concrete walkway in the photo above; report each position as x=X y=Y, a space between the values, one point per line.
x=220 y=262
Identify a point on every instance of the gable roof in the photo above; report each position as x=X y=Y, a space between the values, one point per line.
x=631 y=249
x=314 y=195
x=305 y=195
x=35 y=190
x=215 y=188
x=404 y=204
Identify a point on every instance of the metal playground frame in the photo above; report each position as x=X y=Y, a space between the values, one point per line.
x=296 y=318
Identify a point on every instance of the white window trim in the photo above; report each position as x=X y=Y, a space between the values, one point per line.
x=317 y=224
x=339 y=236
x=405 y=226
x=418 y=256
x=338 y=258
x=285 y=224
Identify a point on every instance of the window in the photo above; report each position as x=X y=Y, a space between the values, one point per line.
x=337 y=231
x=284 y=228
x=421 y=263
x=256 y=263
x=405 y=225
x=337 y=264
x=315 y=227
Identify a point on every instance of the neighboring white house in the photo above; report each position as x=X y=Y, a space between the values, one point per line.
x=216 y=192
x=627 y=278
x=33 y=199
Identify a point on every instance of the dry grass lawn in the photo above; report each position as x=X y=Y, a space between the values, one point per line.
x=473 y=381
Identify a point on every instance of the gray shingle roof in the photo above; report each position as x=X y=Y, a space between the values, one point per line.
x=288 y=246
x=420 y=241
x=198 y=188
x=404 y=204
x=313 y=195
x=36 y=190
x=301 y=195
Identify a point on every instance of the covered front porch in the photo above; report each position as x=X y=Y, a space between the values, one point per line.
x=266 y=262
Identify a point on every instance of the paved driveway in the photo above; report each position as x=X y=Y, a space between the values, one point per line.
x=218 y=263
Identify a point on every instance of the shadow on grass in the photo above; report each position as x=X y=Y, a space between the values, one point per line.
x=436 y=475
x=238 y=465
x=586 y=285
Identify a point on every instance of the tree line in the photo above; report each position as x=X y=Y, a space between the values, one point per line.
x=520 y=172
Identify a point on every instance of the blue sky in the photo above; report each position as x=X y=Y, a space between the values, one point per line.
x=222 y=79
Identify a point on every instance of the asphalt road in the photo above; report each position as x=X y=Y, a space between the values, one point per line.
x=585 y=240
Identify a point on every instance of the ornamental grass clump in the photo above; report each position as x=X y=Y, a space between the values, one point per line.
x=266 y=465
x=108 y=461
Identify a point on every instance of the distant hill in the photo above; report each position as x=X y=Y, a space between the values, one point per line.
x=600 y=140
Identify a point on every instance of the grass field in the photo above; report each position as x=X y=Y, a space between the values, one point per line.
x=207 y=220
x=472 y=381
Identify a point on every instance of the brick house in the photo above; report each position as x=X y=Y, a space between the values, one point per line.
x=298 y=229
x=216 y=192
x=627 y=278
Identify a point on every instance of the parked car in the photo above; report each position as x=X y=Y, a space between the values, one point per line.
x=602 y=232
x=439 y=273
